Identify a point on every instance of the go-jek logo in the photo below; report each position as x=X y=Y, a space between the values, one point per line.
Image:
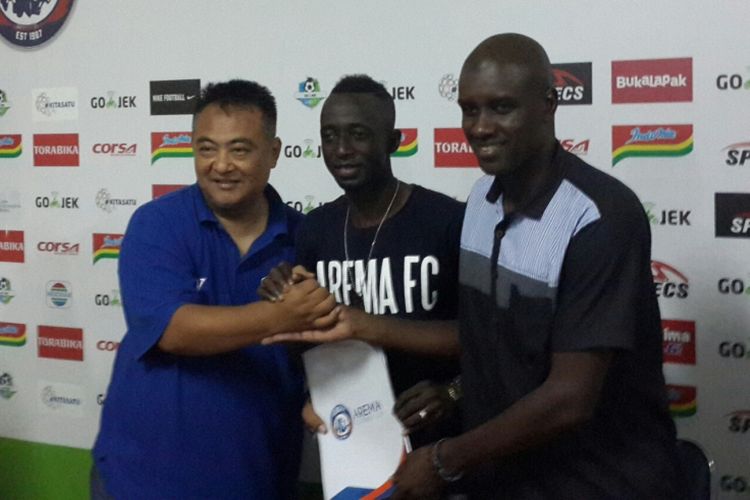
x=171 y=145
x=408 y=145
x=650 y=141
x=309 y=93
x=106 y=246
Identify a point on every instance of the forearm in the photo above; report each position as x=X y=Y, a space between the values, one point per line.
x=427 y=338
x=197 y=330
x=566 y=400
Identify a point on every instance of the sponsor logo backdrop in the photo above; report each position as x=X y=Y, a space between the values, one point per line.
x=96 y=122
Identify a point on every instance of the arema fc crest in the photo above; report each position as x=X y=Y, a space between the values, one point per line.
x=28 y=23
x=341 y=422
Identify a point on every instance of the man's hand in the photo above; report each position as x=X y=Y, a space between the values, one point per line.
x=307 y=306
x=423 y=405
x=312 y=420
x=416 y=477
x=344 y=328
x=278 y=281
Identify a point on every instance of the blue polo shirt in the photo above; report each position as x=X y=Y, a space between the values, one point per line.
x=224 y=426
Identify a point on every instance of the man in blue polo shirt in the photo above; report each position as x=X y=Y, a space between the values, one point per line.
x=196 y=408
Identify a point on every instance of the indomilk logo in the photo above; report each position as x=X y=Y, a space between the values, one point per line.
x=10 y=146
x=650 y=141
x=682 y=400
x=652 y=80
x=572 y=82
x=408 y=145
x=452 y=149
x=171 y=145
x=60 y=342
x=12 y=334
x=56 y=150
x=11 y=246
x=679 y=341
x=732 y=215
x=106 y=246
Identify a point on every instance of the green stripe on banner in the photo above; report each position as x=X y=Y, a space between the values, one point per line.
x=34 y=471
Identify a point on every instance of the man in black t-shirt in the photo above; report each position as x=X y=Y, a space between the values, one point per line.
x=385 y=247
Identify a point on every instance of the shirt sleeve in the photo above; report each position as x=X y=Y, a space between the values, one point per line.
x=156 y=277
x=605 y=274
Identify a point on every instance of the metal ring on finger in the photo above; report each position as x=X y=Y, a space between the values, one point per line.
x=422 y=413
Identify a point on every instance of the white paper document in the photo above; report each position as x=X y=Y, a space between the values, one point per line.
x=351 y=391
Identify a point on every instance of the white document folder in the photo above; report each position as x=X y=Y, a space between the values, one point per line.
x=351 y=391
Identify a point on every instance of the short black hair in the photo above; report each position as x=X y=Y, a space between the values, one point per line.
x=364 y=84
x=243 y=94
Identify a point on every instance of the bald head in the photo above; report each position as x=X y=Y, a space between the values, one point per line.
x=516 y=50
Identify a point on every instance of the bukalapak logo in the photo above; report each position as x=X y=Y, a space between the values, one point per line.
x=668 y=281
x=174 y=97
x=452 y=149
x=11 y=246
x=738 y=154
x=679 y=341
x=28 y=23
x=652 y=80
x=656 y=141
x=732 y=215
x=572 y=82
x=56 y=150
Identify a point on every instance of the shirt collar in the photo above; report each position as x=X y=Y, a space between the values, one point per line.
x=536 y=206
x=277 y=216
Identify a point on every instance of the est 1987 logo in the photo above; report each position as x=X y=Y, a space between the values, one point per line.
x=28 y=23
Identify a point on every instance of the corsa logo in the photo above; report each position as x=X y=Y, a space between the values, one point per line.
x=652 y=80
x=107 y=345
x=452 y=149
x=679 y=341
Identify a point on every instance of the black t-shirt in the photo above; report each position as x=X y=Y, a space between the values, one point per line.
x=412 y=272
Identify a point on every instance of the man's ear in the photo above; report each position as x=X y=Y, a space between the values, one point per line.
x=394 y=141
x=551 y=100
